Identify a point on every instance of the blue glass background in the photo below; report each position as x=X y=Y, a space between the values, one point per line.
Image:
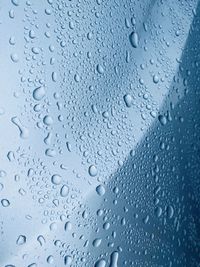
x=139 y=206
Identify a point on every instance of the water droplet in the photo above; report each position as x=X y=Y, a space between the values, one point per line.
x=39 y=93
x=56 y=179
x=128 y=100
x=106 y=226
x=100 y=69
x=53 y=226
x=1 y=187
x=11 y=14
x=54 y=76
x=50 y=152
x=47 y=139
x=114 y=259
x=35 y=50
x=31 y=34
x=11 y=155
x=68 y=226
x=12 y=40
x=5 y=203
x=170 y=212
x=100 y=189
x=21 y=240
x=50 y=259
x=64 y=191
x=67 y=260
x=134 y=39
x=77 y=78
x=158 y=211
x=162 y=119
x=48 y=120
x=15 y=2
x=100 y=263
x=14 y=57
x=41 y=240
x=155 y=79
x=92 y=170
x=96 y=243
x=24 y=132
x=32 y=265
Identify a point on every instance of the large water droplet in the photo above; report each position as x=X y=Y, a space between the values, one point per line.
x=68 y=226
x=48 y=120
x=21 y=240
x=100 y=263
x=67 y=260
x=5 y=203
x=100 y=189
x=162 y=119
x=114 y=259
x=14 y=57
x=97 y=242
x=128 y=100
x=134 y=39
x=100 y=69
x=39 y=93
x=56 y=179
x=92 y=170
x=24 y=132
x=64 y=191
x=50 y=259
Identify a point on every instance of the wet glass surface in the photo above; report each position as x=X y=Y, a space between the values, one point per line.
x=99 y=133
